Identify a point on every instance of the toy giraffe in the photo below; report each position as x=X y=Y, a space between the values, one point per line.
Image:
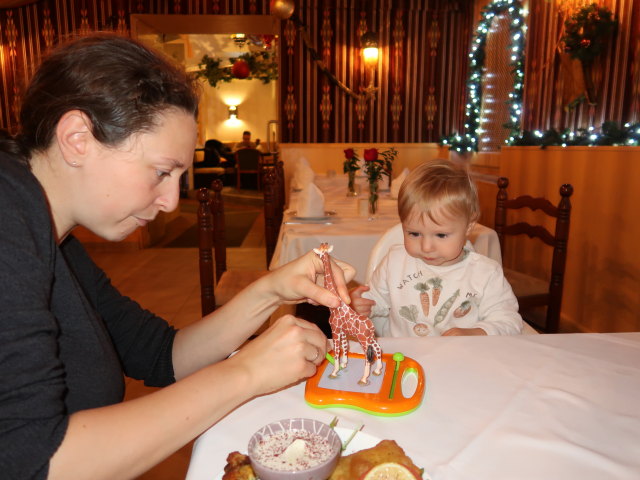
x=345 y=322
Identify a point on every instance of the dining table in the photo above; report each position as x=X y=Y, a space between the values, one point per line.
x=349 y=227
x=557 y=406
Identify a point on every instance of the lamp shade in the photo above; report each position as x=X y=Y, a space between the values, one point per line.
x=369 y=43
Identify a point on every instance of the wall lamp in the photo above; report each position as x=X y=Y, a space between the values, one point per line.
x=239 y=39
x=233 y=112
x=369 y=43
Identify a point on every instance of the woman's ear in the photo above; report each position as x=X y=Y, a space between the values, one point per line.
x=74 y=137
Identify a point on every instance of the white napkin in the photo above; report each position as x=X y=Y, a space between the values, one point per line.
x=303 y=175
x=310 y=202
x=397 y=182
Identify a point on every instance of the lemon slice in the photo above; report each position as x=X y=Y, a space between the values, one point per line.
x=389 y=471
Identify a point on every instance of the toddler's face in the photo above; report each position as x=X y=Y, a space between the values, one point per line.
x=435 y=243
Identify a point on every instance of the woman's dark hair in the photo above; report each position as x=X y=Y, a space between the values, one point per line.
x=120 y=84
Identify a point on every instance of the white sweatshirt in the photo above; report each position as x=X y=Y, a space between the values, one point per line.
x=416 y=299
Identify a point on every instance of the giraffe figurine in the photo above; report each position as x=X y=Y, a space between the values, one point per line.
x=345 y=322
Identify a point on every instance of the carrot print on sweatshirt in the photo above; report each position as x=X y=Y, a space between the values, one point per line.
x=423 y=288
x=436 y=284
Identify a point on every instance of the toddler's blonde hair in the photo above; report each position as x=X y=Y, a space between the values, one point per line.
x=439 y=187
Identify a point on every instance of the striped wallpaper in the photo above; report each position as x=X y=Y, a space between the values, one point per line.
x=420 y=76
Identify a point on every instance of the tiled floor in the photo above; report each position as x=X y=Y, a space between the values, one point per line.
x=165 y=281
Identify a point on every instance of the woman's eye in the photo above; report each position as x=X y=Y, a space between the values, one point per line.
x=162 y=173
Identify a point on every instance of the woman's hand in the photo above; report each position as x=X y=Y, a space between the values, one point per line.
x=288 y=351
x=297 y=281
x=359 y=303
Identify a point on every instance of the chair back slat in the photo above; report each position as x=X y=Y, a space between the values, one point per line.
x=527 y=201
x=532 y=231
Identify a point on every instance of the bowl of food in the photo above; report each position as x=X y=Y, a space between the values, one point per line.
x=294 y=449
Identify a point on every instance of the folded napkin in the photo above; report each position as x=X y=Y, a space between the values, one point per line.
x=397 y=182
x=303 y=175
x=310 y=202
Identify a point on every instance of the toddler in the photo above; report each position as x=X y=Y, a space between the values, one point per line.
x=435 y=284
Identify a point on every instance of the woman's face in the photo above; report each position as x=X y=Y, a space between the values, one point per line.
x=125 y=187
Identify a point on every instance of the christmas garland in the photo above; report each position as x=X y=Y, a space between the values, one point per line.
x=468 y=141
x=260 y=65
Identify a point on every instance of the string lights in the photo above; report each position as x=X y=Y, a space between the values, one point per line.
x=468 y=142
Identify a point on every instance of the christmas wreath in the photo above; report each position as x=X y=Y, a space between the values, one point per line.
x=260 y=65
x=586 y=32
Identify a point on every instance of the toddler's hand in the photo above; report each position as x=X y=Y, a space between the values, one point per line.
x=459 y=332
x=360 y=304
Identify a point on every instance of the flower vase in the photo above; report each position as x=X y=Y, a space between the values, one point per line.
x=373 y=198
x=352 y=184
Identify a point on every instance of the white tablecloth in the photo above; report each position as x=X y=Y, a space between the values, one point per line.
x=524 y=407
x=353 y=236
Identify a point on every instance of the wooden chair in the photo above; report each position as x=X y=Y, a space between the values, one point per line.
x=532 y=292
x=273 y=207
x=211 y=238
x=247 y=161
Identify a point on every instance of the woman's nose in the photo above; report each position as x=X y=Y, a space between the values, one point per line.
x=169 y=196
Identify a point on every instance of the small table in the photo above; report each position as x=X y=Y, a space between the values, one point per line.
x=524 y=407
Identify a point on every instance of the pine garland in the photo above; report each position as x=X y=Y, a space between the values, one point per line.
x=609 y=134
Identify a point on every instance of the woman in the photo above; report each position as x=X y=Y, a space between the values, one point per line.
x=107 y=129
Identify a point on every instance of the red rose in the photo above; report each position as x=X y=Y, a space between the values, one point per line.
x=240 y=69
x=349 y=153
x=371 y=154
